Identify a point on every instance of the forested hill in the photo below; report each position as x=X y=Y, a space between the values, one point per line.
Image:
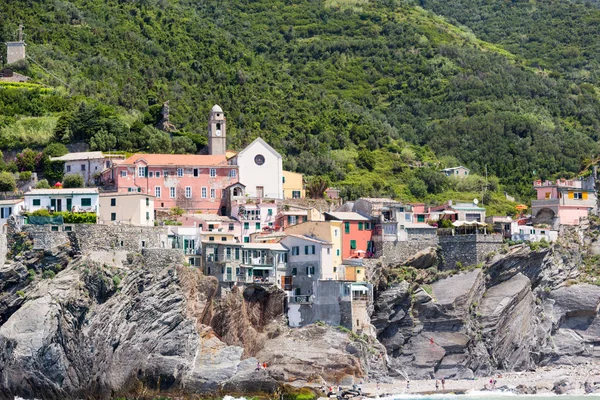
x=331 y=84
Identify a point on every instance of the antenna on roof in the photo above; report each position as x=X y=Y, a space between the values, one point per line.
x=20 y=32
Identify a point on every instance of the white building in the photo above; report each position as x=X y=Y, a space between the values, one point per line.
x=254 y=217
x=11 y=207
x=126 y=208
x=528 y=233
x=261 y=170
x=87 y=164
x=73 y=199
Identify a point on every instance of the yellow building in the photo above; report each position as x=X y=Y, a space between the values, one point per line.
x=126 y=208
x=329 y=231
x=355 y=273
x=293 y=185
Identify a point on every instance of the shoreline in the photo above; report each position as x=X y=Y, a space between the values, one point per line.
x=540 y=381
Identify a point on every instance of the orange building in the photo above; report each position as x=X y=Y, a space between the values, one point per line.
x=357 y=234
x=189 y=181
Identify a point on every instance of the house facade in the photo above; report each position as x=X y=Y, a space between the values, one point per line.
x=126 y=208
x=11 y=207
x=563 y=202
x=357 y=234
x=261 y=170
x=293 y=185
x=244 y=263
x=254 y=216
x=458 y=212
x=73 y=199
x=327 y=231
x=213 y=223
x=456 y=172
x=188 y=181
x=292 y=215
x=89 y=165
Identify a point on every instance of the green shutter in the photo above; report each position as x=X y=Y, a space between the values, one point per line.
x=360 y=226
x=353 y=244
x=347 y=227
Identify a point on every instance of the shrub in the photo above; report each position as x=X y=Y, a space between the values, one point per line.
x=72 y=181
x=20 y=293
x=7 y=182
x=116 y=280
x=25 y=176
x=43 y=184
x=48 y=274
x=28 y=160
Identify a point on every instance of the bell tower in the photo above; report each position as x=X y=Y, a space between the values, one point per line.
x=217 y=132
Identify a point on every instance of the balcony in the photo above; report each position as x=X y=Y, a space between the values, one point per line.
x=259 y=261
x=301 y=299
x=192 y=252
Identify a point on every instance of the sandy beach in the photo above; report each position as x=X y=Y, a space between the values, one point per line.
x=543 y=380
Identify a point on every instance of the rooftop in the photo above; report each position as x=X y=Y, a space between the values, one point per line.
x=346 y=216
x=176 y=160
x=310 y=238
x=210 y=217
x=85 y=155
x=121 y=194
x=455 y=168
x=41 y=192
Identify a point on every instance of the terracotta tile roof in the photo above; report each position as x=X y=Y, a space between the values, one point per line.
x=177 y=160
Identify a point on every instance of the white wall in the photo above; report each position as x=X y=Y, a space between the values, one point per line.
x=269 y=175
x=92 y=167
x=76 y=201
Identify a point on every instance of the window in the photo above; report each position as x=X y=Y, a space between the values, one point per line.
x=196 y=172
x=283 y=179
x=246 y=239
x=157 y=174
x=68 y=168
x=172 y=192
x=113 y=216
x=232 y=173
x=347 y=227
x=291 y=220
x=113 y=202
x=36 y=202
x=296 y=194
x=203 y=192
x=306 y=250
x=54 y=229
x=230 y=227
x=257 y=226
x=86 y=202
x=407 y=217
x=180 y=172
x=83 y=167
x=223 y=238
x=295 y=250
x=211 y=238
x=188 y=192
x=213 y=172
x=143 y=243
x=141 y=172
x=157 y=191
x=212 y=193
x=367 y=226
x=270 y=211
x=123 y=174
x=150 y=174
x=420 y=218
x=310 y=270
x=228 y=253
x=165 y=173
x=335 y=232
x=147 y=215
x=353 y=244
x=294 y=271
x=328 y=251
x=246 y=225
x=337 y=252
x=360 y=226
x=313 y=249
x=577 y=195
x=147 y=201
x=237 y=254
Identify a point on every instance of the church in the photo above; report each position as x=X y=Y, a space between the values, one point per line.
x=260 y=165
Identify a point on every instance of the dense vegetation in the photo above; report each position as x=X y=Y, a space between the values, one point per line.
x=349 y=90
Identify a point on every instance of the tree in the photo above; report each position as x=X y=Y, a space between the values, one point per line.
x=435 y=181
x=158 y=142
x=417 y=188
x=42 y=184
x=72 y=181
x=316 y=186
x=7 y=182
x=366 y=160
x=53 y=170
x=55 y=150
x=103 y=141
x=28 y=160
x=183 y=145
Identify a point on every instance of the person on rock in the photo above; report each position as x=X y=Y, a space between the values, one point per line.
x=437 y=385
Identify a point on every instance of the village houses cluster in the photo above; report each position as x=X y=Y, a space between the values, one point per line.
x=246 y=221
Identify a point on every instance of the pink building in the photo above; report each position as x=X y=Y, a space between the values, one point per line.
x=213 y=222
x=563 y=202
x=189 y=181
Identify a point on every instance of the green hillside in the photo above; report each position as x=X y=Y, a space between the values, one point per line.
x=355 y=91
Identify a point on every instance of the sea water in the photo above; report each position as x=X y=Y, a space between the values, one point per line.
x=490 y=396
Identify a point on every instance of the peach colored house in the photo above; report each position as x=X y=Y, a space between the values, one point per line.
x=190 y=181
x=563 y=202
x=213 y=223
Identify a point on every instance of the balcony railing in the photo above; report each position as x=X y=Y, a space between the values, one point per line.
x=302 y=299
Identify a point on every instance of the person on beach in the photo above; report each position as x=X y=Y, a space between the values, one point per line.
x=257 y=366
x=360 y=387
x=407 y=386
x=443 y=384
x=437 y=385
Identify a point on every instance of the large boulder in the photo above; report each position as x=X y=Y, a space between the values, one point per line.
x=424 y=259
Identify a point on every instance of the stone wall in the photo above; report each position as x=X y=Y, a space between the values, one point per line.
x=87 y=237
x=397 y=252
x=3 y=248
x=467 y=249
x=159 y=258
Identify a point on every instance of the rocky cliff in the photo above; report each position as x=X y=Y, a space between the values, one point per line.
x=521 y=309
x=73 y=326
